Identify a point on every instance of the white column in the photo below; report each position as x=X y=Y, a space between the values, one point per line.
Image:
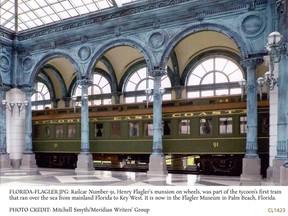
x=15 y=127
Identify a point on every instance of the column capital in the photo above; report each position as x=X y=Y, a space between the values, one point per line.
x=85 y=82
x=157 y=72
x=252 y=62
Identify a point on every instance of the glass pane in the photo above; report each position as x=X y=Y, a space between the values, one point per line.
x=230 y=67
x=222 y=92
x=220 y=78
x=59 y=131
x=193 y=94
x=71 y=131
x=236 y=76
x=205 y=126
x=130 y=86
x=47 y=131
x=193 y=80
x=199 y=71
x=130 y=100
x=207 y=93
x=208 y=79
x=184 y=126
x=148 y=129
x=166 y=97
x=220 y=63
x=243 y=124
x=166 y=125
x=98 y=130
x=208 y=65
x=225 y=125
x=142 y=99
x=133 y=129
x=107 y=101
x=235 y=91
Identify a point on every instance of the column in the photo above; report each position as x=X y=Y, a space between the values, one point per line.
x=28 y=157
x=157 y=160
x=280 y=172
x=4 y=157
x=251 y=162
x=282 y=147
x=85 y=159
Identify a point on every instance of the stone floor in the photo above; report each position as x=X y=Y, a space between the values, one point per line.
x=57 y=177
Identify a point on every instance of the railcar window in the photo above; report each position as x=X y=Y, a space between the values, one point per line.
x=134 y=129
x=243 y=124
x=115 y=129
x=59 y=131
x=47 y=131
x=264 y=124
x=184 y=126
x=166 y=128
x=71 y=131
x=205 y=126
x=98 y=130
x=148 y=129
x=225 y=125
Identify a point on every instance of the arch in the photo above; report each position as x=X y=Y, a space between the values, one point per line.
x=121 y=42
x=58 y=76
x=128 y=72
x=112 y=78
x=49 y=56
x=204 y=27
x=201 y=56
x=44 y=78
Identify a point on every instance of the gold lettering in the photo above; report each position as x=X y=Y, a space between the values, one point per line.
x=138 y=117
x=176 y=115
x=117 y=118
x=93 y=119
x=188 y=114
x=216 y=113
x=203 y=114
x=127 y=118
x=230 y=111
x=148 y=116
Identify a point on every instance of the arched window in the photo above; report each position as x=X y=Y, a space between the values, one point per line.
x=138 y=82
x=99 y=92
x=214 y=76
x=41 y=98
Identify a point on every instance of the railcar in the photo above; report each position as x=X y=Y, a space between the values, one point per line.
x=205 y=135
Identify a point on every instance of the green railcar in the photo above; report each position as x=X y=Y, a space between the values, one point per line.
x=203 y=135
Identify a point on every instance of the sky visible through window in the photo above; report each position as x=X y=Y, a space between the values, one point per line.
x=34 y=13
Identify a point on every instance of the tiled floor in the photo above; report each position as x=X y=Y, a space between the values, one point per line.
x=57 y=177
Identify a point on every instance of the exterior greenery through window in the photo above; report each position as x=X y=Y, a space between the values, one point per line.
x=214 y=76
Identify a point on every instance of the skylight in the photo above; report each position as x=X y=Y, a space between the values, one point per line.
x=33 y=13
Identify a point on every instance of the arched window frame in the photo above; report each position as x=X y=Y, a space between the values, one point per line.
x=99 y=93
x=41 y=98
x=138 y=93
x=210 y=89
